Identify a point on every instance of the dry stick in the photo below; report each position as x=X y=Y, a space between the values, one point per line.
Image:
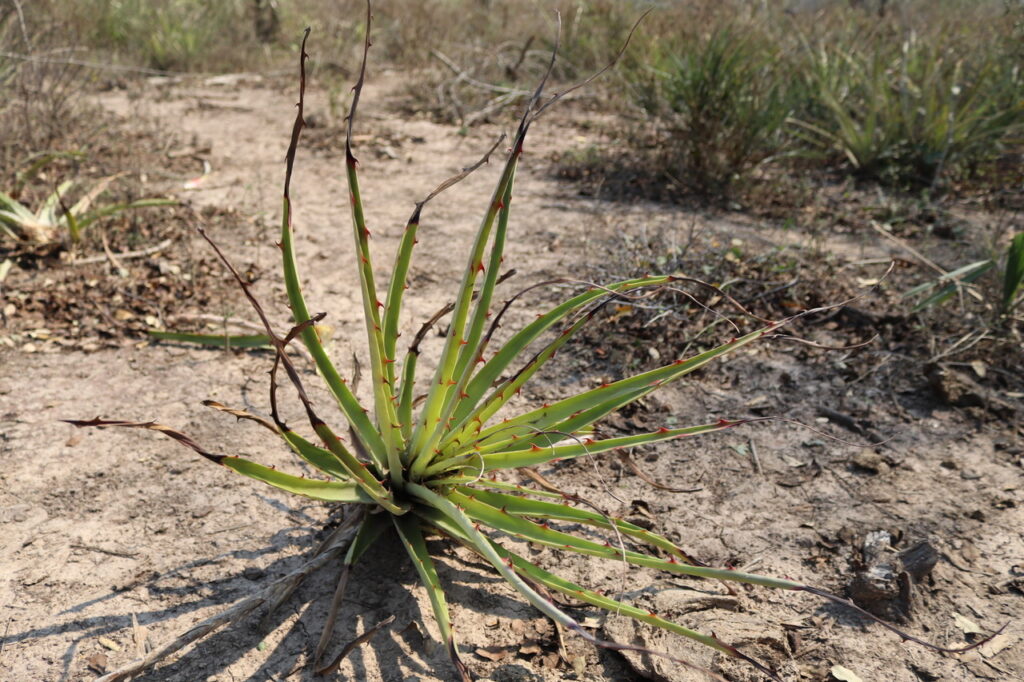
x=332 y=614
x=754 y=457
x=140 y=253
x=351 y=646
x=924 y=260
x=232 y=614
x=121 y=270
x=628 y=461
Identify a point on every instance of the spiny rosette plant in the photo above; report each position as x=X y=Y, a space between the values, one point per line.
x=428 y=464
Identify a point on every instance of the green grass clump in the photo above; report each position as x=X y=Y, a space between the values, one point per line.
x=423 y=456
x=907 y=114
x=57 y=220
x=719 y=103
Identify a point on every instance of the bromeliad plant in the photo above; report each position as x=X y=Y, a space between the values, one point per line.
x=429 y=464
x=55 y=222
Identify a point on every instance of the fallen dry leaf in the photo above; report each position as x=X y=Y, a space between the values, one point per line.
x=492 y=653
x=993 y=646
x=966 y=625
x=98 y=662
x=108 y=643
x=844 y=674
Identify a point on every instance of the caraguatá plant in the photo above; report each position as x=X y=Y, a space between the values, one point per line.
x=427 y=458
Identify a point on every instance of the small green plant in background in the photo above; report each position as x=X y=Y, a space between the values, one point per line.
x=424 y=457
x=720 y=103
x=176 y=35
x=55 y=222
x=910 y=113
x=1010 y=277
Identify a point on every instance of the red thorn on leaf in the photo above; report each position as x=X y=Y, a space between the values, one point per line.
x=463 y=394
x=365 y=261
x=535 y=448
x=724 y=422
x=652 y=614
x=480 y=267
x=366 y=232
x=733 y=340
x=664 y=429
x=379 y=304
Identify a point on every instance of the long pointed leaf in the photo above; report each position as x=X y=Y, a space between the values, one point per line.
x=492 y=369
x=381 y=379
x=412 y=539
x=567 y=415
x=350 y=406
x=1013 y=275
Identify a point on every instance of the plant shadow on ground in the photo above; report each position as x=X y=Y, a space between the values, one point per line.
x=296 y=624
x=215 y=592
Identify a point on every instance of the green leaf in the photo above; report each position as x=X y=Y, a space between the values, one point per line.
x=570 y=414
x=215 y=340
x=518 y=527
x=519 y=506
x=956 y=279
x=537 y=454
x=412 y=539
x=328 y=491
x=1014 y=273
x=468 y=416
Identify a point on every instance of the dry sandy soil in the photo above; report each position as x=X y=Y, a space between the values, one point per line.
x=102 y=529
